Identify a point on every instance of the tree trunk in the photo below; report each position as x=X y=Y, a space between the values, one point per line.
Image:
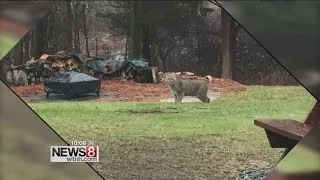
x=164 y=65
x=126 y=51
x=15 y=53
x=163 y=59
x=18 y=53
x=85 y=30
x=51 y=31
x=68 y=27
x=30 y=46
x=41 y=37
x=153 y=52
x=164 y=56
x=27 y=47
x=145 y=42
x=145 y=35
x=34 y=43
x=76 y=30
x=135 y=31
x=96 y=46
x=233 y=48
x=65 y=30
x=96 y=21
x=23 y=50
x=228 y=35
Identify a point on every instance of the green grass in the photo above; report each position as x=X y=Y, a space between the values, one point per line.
x=232 y=113
x=186 y=141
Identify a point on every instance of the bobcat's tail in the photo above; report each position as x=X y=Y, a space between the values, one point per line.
x=208 y=78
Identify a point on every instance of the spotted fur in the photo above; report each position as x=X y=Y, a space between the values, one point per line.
x=181 y=88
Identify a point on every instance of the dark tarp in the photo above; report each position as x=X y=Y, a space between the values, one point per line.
x=134 y=64
x=99 y=64
x=72 y=84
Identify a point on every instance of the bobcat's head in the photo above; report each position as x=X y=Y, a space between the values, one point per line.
x=169 y=78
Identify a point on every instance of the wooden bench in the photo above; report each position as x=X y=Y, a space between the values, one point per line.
x=287 y=133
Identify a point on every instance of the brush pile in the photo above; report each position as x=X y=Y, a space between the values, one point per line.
x=47 y=66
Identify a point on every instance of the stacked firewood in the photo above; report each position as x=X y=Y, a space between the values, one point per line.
x=47 y=66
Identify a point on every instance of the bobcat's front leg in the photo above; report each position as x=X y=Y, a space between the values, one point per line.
x=174 y=95
x=175 y=98
x=179 y=97
x=179 y=91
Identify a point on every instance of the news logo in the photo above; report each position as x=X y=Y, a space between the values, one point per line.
x=74 y=153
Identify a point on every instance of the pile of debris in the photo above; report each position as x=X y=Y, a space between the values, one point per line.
x=137 y=70
x=47 y=66
x=15 y=75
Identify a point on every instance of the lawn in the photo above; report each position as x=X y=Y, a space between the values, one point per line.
x=180 y=141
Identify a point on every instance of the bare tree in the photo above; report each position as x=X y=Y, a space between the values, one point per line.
x=164 y=47
x=229 y=31
x=96 y=34
x=67 y=30
x=76 y=26
x=85 y=29
x=135 y=29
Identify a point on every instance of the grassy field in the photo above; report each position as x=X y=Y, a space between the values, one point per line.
x=179 y=141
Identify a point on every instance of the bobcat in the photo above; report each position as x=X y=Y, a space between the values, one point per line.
x=181 y=88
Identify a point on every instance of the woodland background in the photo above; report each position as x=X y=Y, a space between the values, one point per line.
x=195 y=36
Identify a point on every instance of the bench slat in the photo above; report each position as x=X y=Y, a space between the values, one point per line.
x=289 y=128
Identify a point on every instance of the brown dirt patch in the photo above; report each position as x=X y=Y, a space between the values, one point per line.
x=131 y=91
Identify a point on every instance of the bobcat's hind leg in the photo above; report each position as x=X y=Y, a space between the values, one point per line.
x=204 y=99
x=203 y=94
